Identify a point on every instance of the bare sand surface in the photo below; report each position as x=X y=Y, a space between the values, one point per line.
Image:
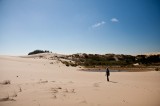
x=44 y=82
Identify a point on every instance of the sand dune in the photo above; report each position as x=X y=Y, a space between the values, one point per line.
x=34 y=81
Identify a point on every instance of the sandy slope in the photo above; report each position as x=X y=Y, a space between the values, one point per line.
x=37 y=82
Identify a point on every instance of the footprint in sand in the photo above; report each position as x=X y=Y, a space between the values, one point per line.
x=96 y=84
x=69 y=90
x=83 y=102
x=54 y=97
x=71 y=82
x=63 y=92
x=124 y=101
x=53 y=81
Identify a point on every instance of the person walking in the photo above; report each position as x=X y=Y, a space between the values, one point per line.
x=107 y=74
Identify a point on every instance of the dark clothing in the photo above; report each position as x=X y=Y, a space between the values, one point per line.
x=107 y=78
x=107 y=74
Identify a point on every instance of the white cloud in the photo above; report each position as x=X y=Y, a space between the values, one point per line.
x=98 y=24
x=114 y=20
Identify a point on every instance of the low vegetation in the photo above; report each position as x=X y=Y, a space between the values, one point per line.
x=7 y=98
x=69 y=63
x=5 y=82
x=95 y=60
x=115 y=60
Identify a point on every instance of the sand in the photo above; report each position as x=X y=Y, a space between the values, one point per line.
x=43 y=82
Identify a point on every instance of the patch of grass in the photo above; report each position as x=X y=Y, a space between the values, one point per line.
x=69 y=63
x=20 y=89
x=43 y=81
x=14 y=94
x=5 y=82
x=4 y=99
x=7 y=98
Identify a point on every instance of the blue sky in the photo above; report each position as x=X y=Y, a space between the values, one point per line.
x=79 y=26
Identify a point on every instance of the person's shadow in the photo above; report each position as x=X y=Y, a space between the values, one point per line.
x=113 y=81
